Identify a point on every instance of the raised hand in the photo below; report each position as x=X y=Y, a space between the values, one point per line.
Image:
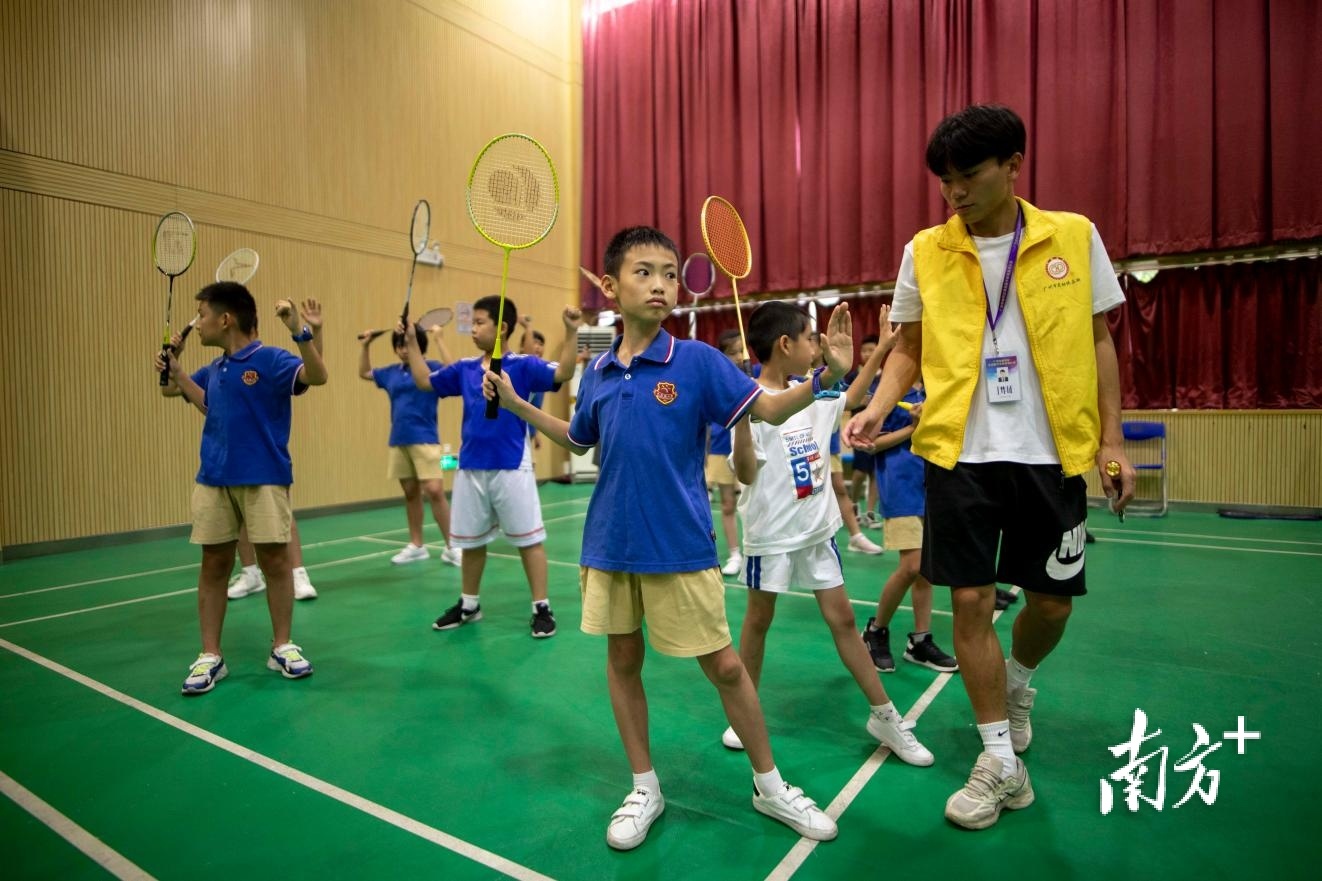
x=572 y=317
x=838 y=341
x=285 y=311
x=312 y=313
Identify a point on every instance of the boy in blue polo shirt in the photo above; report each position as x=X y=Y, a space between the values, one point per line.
x=648 y=543
x=495 y=489
x=904 y=501
x=415 y=445
x=790 y=521
x=246 y=471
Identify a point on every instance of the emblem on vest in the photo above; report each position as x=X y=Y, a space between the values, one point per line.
x=665 y=392
x=1057 y=268
x=250 y=377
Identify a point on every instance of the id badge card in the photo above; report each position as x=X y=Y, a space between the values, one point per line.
x=1002 y=375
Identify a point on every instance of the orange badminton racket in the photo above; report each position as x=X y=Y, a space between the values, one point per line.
x=726 y=239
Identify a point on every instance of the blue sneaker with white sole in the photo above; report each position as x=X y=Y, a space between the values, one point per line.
x=206 y=671
x=289 y=660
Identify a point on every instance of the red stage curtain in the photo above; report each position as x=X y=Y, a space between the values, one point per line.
x=1176 y=126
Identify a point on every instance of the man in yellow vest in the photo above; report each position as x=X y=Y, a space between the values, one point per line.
x=1002 y=308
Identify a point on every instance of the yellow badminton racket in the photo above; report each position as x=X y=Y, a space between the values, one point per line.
x=726 y=239
x=513 y=201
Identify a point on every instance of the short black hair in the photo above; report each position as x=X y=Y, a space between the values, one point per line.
x=633 y=237
x=490 y=304
x=728 y=337
x=974 y=134
x=539 y=336
x=770 y=322
x=870 y=338
x=397 y=338
x=234 y=298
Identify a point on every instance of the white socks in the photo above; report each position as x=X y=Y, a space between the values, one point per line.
x=1017 y=675
x=647 y=780
x=769 y=783
x=996 y=740
x=469 y=602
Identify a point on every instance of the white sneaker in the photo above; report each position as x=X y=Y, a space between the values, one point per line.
x=245 y=583
x=734 y=565
x=628 y=826
x=303 y=589
x=731 y=740
x=453 y=556
x=791 y=807
x=1018 y=704
x=979 y=804
x=896 y=737
x=411 y=554
x=861 y=544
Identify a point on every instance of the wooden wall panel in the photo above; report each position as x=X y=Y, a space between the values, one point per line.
x=1245 y=457
x=304 y=129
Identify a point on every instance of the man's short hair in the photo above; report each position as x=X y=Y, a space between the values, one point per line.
x=770 y=322
x=234 y=298
x=490 y=304
x=974 y=134
x=633 y=237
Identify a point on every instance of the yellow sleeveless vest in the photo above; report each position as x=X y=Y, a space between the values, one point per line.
x=1054 y=285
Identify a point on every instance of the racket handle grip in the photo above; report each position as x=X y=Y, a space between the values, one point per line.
x=493 y=405
x=166 y=349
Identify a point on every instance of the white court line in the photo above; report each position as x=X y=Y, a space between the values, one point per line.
x=92 y=847
x=1173 y=544
x=175 y=593
x=1270 y=541
x=798 y=854
x=330 y=790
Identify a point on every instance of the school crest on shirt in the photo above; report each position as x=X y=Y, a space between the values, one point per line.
x=250 y=377
x=665 y=392
x=1057 y=268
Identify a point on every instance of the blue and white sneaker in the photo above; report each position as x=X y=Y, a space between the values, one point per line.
x=206 y=671
x=289 y=660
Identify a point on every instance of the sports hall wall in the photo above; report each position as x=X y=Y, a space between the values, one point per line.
x=305 y=129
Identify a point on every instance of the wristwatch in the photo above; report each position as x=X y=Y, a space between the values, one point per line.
x=303 y=336
x=817 y=391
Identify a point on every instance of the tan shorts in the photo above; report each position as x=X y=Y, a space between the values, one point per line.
x=903 y=533
x=418 y=461
x=837 y=464
x=685 y=610
x=719 y=472
x=219 y=511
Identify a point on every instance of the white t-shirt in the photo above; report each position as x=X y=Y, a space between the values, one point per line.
x=790 y=504
x=1015 y=431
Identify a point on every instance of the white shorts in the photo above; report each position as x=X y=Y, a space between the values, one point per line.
x=486 y=503
x=814 y=568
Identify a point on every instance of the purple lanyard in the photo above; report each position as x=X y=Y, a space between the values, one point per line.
x=1009 y=274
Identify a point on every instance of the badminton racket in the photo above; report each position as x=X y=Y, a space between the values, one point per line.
x=173 y=247
x=419 y=235
x=239 y=266
x=698 y=275
x=513 y=201
x=726 y=239
x=430 y=320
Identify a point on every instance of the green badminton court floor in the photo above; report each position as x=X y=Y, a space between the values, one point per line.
x=481 y=753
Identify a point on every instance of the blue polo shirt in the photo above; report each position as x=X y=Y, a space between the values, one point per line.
x=245 y=439
x=901 y=473
x=649 y=510
x=412 y=410
x=489 y=444
x=722 y=442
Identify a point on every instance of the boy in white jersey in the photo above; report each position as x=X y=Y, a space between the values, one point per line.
x=790 y=520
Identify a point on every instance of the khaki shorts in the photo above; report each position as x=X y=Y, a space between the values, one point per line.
x=837 y=464
x=219 y=511
x=719 y=472
x=903 y=533
x=685 y=610
x=417 y=461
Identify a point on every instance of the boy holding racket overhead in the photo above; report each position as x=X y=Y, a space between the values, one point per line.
x=495 y=489
x=245 y=471
x=415 y=444
x=648 y=543
x=1023 y=396
x=790 y=519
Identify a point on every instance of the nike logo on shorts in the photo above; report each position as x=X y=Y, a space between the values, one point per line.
x=1067 y=561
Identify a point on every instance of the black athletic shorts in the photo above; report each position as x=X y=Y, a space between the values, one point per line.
x=1034 y=513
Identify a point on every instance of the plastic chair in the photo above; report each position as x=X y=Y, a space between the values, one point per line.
x=1145 y=444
